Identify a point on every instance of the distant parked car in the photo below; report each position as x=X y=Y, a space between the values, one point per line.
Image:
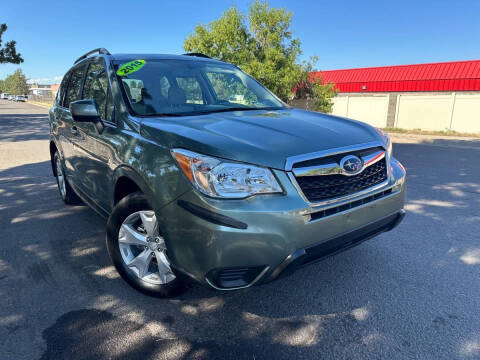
x=4 y=96
x=20 y=98
x=10 y=97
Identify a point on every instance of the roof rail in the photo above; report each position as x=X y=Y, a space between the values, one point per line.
x=197 y=55
x=98 y=50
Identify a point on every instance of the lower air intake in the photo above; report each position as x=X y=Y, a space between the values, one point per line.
x=228 y=278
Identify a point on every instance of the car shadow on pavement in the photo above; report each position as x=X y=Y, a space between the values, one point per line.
x=24 y=127
x=386 y=298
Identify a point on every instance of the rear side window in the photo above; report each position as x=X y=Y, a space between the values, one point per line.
x=96 y=87
x=61 y=90
x=74 y=84
x=110 y=115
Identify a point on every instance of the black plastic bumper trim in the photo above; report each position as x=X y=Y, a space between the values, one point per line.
x=234 y=277
x=336 y=245
x=211 y=216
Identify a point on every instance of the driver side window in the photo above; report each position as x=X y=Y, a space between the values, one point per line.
x=96 y=88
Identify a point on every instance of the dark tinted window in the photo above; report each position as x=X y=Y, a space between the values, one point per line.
x=180 y=87
x=229 y=88
x=96 y=86
x=74 y=85
x=110 y=108
x=61 y=90
x=191 y=88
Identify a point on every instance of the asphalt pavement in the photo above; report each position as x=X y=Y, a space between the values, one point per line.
x=413 y=293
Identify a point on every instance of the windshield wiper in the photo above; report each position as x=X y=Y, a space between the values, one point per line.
x=204 y=112
x=238 y=108
x=162 y=115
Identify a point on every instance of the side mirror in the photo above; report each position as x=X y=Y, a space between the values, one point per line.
x=86 y=111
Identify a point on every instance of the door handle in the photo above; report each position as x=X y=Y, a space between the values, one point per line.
x=74 y=130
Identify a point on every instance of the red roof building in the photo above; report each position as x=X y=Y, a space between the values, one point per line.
x=446 y=76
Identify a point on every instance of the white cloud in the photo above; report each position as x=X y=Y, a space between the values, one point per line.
x=46 y=80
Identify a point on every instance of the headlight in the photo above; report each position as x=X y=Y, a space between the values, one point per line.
x=386 y=140
x=225 y=179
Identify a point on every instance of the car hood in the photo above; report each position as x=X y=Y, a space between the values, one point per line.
x=260 y=137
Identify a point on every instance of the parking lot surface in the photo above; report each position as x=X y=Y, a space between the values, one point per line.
x=413 y=293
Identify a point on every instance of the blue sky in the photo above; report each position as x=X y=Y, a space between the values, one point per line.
x=344 y=34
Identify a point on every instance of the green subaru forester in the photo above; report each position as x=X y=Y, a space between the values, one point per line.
x=204 y=174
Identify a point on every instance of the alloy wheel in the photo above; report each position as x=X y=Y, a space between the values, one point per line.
x=143 y=249
x=60 y=177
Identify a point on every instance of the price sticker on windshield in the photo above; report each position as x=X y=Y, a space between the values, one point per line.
x=130 y=67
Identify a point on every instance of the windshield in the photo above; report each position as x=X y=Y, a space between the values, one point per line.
x=182 y=87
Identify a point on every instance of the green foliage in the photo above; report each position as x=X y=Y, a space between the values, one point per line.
x=265 y=48
x=226 y=39
x=322 y=96
x=8 y=54
x=16 y=83
x=311 y=87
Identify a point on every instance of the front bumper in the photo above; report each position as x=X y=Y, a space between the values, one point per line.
x=338 y=244
x=231 y=244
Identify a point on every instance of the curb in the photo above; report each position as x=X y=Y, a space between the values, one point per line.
x=39 y=104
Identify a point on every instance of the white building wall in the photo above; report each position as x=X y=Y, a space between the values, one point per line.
x=466 y=113
x=433 y=111
x=426 y=112
x=340 y=106
x=369 y=109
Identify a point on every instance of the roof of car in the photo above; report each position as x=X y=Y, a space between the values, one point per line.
x=125 y=57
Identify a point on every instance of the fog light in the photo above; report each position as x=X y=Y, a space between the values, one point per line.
x=398 y=185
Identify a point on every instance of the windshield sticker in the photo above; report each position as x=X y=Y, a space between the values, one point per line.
x=130 y=67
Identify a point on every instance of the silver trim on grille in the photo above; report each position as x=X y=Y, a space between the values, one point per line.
x=291 y=161
x=319 y=154
x=335 y=168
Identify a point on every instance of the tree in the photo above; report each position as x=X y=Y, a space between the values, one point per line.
x=226 y=39
x=265 y=48
x=312 y=88
x=16 y=83
x=263 y=45
x=8 y=54
x=322 y=95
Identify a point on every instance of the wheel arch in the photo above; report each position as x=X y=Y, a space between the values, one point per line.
x=53 y=150
x=126 y=181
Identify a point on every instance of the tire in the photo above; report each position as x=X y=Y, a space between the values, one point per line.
x=137 y=248
x=66 y=192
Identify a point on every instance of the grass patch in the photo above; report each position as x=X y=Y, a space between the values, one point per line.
x=428 y=132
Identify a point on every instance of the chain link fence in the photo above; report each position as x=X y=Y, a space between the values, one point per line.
x=46 y=98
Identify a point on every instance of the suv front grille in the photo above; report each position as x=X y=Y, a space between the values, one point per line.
x=325 y=187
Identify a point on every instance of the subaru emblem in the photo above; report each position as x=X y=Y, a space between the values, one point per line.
x=351 y=165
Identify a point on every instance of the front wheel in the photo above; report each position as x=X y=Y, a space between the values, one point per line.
x=138 y=250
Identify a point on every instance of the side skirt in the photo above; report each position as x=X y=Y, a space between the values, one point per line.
x=87 y=200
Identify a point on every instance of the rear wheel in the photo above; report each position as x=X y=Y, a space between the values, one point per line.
x=138 y=250
x=66 y=192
